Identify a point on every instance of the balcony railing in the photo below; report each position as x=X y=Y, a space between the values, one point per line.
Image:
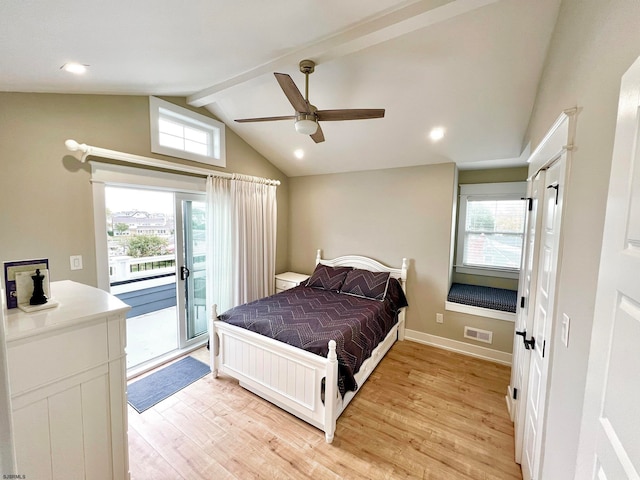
x=146 y=284
x=123 y=269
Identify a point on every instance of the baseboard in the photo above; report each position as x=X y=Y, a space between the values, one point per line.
x=459 y=347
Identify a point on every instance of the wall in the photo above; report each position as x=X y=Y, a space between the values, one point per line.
x=385 y=214
x=45 y=193
x=594 y=43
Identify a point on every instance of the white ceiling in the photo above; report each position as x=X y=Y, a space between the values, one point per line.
x=471 y=66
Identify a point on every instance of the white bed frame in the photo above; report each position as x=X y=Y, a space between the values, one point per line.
x=290 y=377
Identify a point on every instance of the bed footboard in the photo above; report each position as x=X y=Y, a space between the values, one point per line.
x=286 y=376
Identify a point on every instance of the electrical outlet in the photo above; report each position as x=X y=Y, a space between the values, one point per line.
x=76 y=262
x=439 y=318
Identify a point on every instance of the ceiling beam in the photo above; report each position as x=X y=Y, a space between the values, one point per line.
x=372 y=31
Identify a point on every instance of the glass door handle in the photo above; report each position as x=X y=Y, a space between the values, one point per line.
x=184 y=273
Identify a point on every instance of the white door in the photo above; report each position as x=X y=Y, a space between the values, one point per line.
x=524 y=320
x=539 y=337
x=609 y=445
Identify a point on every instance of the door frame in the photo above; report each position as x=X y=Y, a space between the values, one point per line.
x=103 y=174
x=556 y=145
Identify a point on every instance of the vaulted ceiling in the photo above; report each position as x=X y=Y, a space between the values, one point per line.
x=469 y=66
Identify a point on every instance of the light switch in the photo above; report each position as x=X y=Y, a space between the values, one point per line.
x=565 y=329
x=76 y=262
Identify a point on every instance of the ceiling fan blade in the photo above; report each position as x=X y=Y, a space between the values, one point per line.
x=318 y=136
x=265 y=119
x=349 y=114
x=293 y=94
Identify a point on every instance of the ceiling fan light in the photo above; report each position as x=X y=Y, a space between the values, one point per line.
x=306 y=126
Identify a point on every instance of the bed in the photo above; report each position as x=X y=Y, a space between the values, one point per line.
x=314 y=377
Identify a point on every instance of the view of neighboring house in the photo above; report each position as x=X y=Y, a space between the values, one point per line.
x=140 y=223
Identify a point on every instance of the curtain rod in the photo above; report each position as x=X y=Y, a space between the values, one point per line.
x=91 y=151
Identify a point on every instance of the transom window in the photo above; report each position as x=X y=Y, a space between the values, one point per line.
x=491 y=229
x=176 y=135
x=181 y=133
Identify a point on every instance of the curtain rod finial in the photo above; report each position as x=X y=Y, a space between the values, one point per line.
x=74 y=146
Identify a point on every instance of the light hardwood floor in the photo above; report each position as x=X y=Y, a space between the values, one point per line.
x=424 y=413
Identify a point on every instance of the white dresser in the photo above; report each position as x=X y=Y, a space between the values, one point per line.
x=287 y=280
x=67 y=382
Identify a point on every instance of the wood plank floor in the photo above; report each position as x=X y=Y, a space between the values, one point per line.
x=424 y=413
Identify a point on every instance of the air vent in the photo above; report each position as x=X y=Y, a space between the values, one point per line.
x=479 y=335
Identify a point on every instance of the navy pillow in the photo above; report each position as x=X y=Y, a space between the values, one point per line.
x=328 y=278
x=363 y=283
x=395 y=295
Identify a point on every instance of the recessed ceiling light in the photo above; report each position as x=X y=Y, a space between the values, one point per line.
x=299 y=154
x=73 y=67
x=436 y=134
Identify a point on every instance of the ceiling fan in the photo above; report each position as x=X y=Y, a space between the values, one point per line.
x=307 y=116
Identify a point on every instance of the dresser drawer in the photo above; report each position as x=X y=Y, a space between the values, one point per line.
x=49 y=358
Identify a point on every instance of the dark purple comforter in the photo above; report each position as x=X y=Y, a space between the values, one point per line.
x=308 y=318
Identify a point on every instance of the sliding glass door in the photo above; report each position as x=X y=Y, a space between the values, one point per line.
x=191 y=250
x=156 y=248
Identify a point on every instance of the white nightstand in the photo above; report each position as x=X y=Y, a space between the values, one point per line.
x=287 y=280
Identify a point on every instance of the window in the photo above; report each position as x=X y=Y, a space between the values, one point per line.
x=181 y=133
x=491 y=229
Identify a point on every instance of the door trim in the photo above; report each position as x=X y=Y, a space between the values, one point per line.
x=555 y=146
x=558 y=140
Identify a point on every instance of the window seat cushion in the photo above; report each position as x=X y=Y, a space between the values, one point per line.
x=486 y=297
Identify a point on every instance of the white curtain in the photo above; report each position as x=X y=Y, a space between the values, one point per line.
x=219 y=247
x=241 y=240
x=254 y=223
